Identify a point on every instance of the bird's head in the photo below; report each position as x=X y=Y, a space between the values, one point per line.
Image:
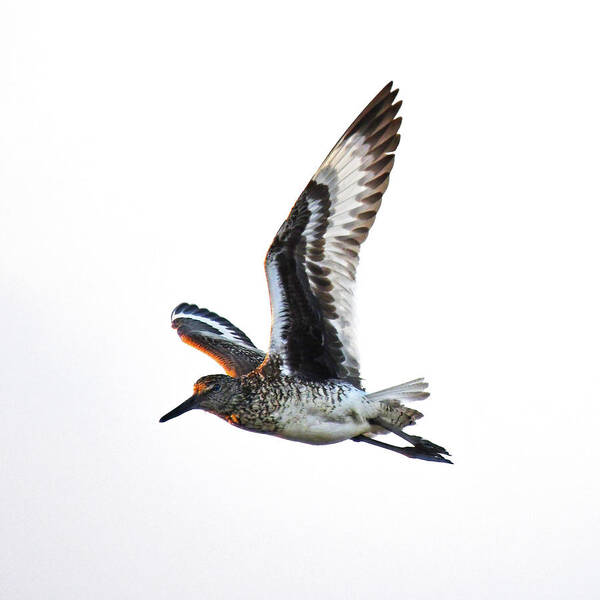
x=213 y=393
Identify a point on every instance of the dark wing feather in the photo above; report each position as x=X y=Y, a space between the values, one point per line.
x=217 y=337
x=311 y=264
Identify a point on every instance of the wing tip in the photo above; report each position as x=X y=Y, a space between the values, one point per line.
x=209 y=318
x=186 y=310
x=182 y=309
x=377 y=114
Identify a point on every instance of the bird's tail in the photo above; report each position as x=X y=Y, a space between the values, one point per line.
x=394 y=416
x=391 y=402
x=409 y=391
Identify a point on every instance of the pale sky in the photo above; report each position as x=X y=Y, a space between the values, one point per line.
x=148 y=153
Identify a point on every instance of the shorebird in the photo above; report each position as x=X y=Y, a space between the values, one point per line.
x=307 y=387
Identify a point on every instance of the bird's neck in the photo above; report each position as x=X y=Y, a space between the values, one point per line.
x=251 y=409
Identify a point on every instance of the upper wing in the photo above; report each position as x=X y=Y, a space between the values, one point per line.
x=311 y=264
x=217 y=337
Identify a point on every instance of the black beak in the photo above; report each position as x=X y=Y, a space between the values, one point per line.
x=189 y=404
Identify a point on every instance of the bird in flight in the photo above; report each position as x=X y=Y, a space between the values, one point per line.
x=307 y=386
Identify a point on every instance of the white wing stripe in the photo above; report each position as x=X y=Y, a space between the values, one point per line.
x=344 y=175
x=223 y=330
x=332 y=217
x=279 y=315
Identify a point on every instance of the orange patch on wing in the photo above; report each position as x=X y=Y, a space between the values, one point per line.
x=232 y=419
x=217 y=357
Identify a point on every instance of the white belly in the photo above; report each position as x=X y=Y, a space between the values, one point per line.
x=314 y=422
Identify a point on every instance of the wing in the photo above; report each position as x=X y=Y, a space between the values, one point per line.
x=311 y=264
x=217 y=337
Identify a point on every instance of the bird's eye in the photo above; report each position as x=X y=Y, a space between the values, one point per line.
x=216 y=387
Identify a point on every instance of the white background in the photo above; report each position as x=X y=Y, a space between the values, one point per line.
x=148 y=153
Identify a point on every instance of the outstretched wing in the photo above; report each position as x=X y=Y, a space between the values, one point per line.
x=311 y=264
x=217 y=337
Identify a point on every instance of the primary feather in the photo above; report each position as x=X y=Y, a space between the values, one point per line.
x=311 y=264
